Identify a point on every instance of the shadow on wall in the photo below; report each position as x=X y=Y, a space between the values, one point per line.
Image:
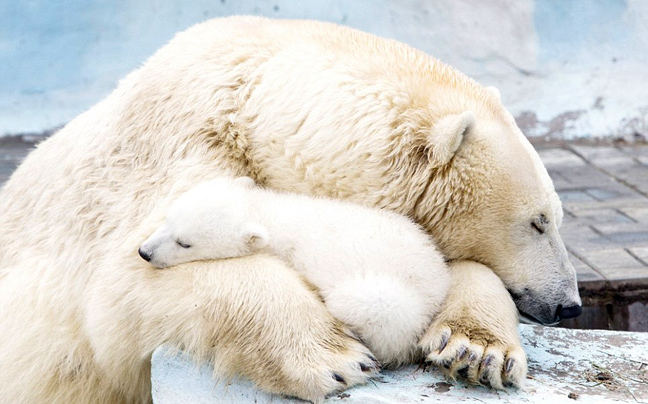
x=565 y=69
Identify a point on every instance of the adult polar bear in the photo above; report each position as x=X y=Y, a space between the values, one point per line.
x=299 y=106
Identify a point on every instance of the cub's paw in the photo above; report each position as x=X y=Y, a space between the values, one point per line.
x=476 y=355
x=475 y=335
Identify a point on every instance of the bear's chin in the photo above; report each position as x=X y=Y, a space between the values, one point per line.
x=529 y=319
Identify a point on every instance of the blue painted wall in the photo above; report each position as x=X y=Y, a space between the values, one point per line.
x=550 y=58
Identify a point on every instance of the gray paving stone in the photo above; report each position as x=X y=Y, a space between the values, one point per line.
x=601 y=194
x=560 y=158
x=636 y=150
x=641 y=253
x=603 y=156
x=585 y=177
x=615 y=264
x=572 y=195
x=581 y=238
x=627 y=199
x=600 y=215
x=639 y=215
x=635 y=174
x=626 y=227
x=559 y=181
x=629 y=238
x=583 y=271
x=628 y=234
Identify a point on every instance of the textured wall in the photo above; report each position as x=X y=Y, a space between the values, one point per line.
x=565 y=69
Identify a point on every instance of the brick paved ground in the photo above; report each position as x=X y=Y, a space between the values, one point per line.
x=604 y=190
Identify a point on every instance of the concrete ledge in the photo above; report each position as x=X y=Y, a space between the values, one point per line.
x=565 y=365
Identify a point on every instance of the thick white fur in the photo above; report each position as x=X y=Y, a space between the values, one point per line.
x=377 y=271
x=299 y=106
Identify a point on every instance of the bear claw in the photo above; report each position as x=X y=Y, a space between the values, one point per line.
x=445 y=337
x=373 y=367
x=339 y=378
x=489 y=365
x=461 y=354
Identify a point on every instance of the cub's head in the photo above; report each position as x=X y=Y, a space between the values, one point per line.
x=210 y=221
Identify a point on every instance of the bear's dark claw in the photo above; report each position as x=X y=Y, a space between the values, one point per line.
x=339 y=378
x=444 y=342
x=462 y=353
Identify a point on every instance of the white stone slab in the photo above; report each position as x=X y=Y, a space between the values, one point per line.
x=593 y=366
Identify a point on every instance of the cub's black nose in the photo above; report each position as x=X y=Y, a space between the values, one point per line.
x=568 y=312
x=146 y=257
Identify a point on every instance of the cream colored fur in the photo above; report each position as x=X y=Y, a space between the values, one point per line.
x=376 y=270
x=299 y=106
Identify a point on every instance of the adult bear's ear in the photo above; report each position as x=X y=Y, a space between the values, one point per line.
x=446 y=136
x=255 y=236
x=247 y=182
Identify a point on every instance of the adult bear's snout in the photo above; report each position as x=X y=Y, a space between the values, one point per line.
x=564 y=313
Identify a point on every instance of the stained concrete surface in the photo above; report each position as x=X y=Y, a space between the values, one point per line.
x=565 y=366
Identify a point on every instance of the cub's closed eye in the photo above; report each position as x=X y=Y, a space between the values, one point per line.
x=183 y=245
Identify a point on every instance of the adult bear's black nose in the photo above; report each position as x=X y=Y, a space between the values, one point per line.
x=564 y=313
x=145 y=256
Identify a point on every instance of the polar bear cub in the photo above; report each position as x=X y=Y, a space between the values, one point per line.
x=377 y=271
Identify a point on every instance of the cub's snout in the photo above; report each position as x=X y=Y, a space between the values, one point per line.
x=146 y=256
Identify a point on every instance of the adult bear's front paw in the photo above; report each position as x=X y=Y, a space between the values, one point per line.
x=339 y=362
x=475 y=334
x=476 y=354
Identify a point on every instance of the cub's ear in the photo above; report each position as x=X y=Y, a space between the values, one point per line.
x=255 y=236
x=495 y=92
x=247 y=182
x=446 y=136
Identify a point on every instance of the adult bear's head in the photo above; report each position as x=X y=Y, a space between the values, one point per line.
x=492 y=200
